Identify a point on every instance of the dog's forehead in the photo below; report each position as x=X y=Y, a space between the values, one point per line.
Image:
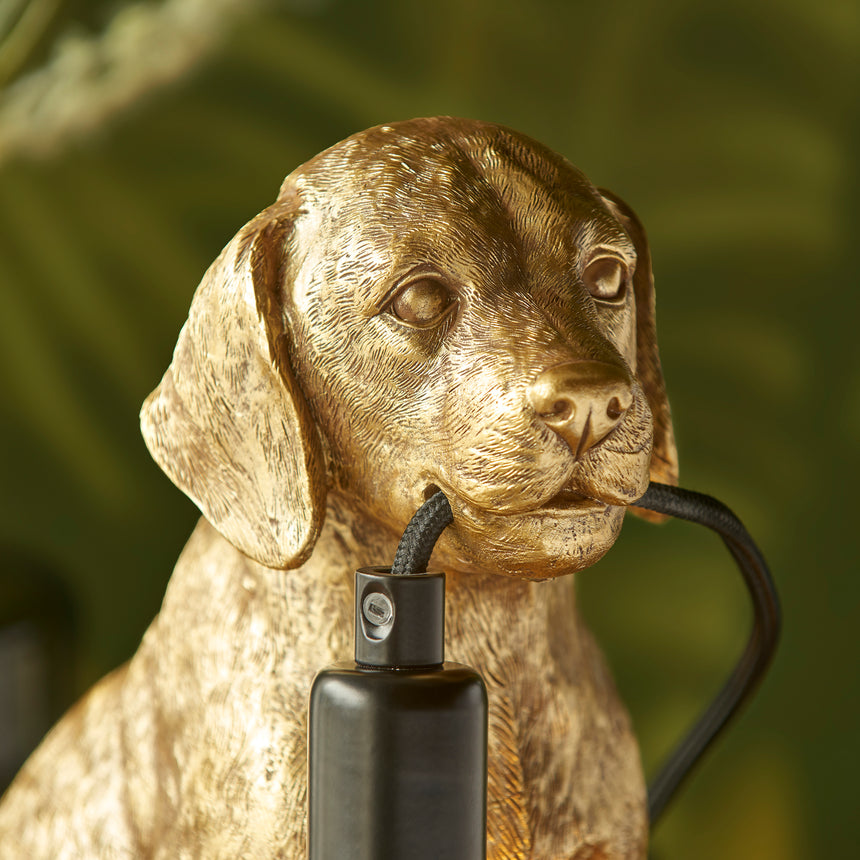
x=445 y=173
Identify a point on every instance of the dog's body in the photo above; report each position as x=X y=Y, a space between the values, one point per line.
x=437 y=303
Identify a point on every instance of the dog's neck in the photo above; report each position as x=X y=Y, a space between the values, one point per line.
x=486 y=613
x=490 y=619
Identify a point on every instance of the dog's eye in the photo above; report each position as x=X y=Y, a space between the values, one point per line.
x=422 y=303
x=605 y=278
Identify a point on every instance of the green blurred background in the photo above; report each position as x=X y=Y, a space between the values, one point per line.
x=136 y=138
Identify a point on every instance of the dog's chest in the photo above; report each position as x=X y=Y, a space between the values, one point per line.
x=564 y=776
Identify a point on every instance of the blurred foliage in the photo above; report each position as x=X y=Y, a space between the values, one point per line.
x=730 y=127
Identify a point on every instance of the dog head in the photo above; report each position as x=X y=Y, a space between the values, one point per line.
x=431 y=304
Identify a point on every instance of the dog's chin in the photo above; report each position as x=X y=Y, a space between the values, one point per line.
x=564 y=535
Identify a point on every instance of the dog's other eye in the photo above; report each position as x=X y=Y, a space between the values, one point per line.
x=422 y=303
x=605 y=278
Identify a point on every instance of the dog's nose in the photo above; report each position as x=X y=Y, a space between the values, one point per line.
x=583 y=401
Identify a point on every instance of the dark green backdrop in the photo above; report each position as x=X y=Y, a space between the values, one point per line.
x=731 y=127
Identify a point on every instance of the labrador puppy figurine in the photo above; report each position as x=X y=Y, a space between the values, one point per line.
x=432 y=304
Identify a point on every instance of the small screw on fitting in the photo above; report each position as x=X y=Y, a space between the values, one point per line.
x=377 y=609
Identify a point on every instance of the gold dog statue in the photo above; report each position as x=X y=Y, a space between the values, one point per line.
x=432 y=304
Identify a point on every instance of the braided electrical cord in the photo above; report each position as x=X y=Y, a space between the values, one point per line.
x=761 y=646
x=416 y=545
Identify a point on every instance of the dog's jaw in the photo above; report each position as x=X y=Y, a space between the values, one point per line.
x=553 y=541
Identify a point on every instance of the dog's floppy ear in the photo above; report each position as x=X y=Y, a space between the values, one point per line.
x=664 y=457
x=228 y=423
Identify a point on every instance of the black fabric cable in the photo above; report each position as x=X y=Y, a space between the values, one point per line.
x=761 y=646
x=416 y=545
x=431 y=519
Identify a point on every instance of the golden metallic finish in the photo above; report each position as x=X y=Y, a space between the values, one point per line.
x=434 y=303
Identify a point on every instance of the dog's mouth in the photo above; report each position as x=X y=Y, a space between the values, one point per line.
x=565 y=501
x=552 y=537
x=570 y=500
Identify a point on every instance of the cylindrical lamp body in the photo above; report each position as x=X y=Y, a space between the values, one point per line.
x=398 y=764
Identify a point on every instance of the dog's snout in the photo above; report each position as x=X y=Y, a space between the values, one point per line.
x=582 y=401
